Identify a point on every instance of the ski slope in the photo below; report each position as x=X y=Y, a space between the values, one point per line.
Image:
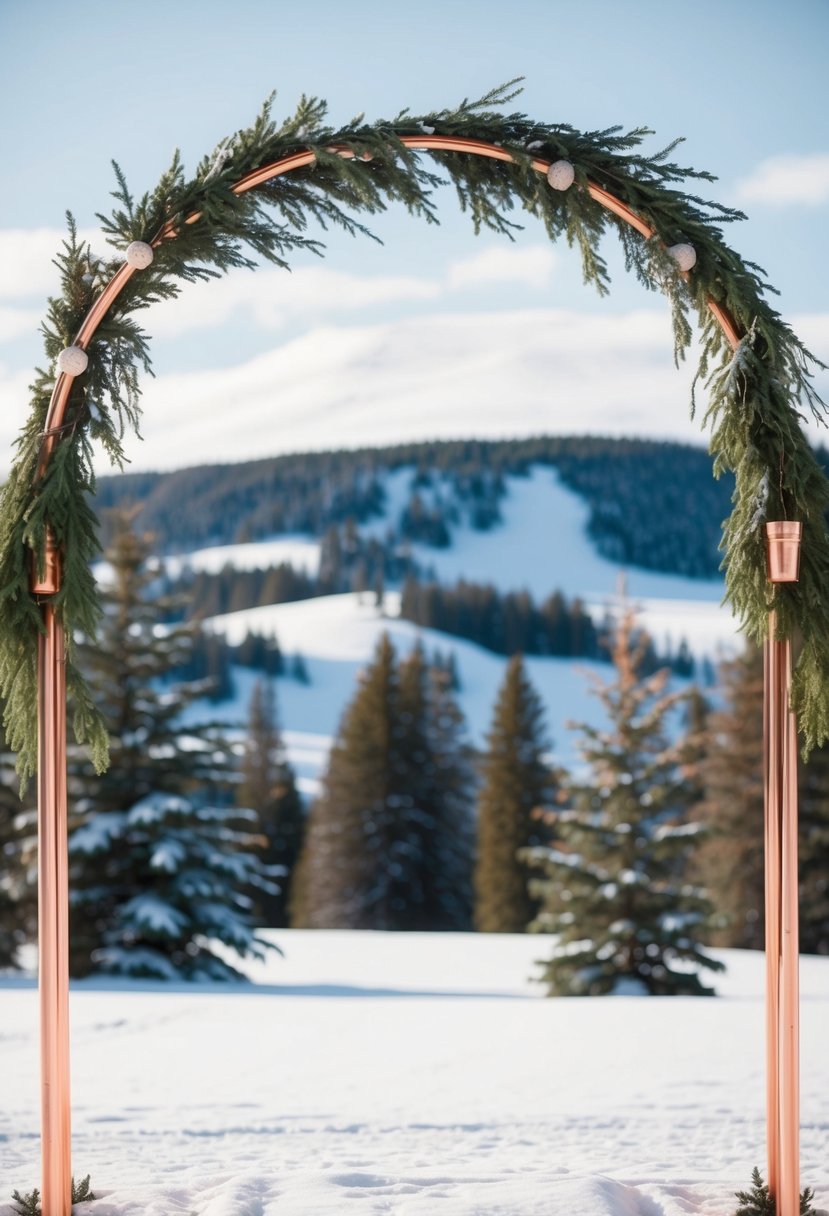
x=541 y=545
x=411 y=1075
x=337 y=635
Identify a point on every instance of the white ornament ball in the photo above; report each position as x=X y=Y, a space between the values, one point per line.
x=685 y=256
x=73 y=361
x=561 y=175
x=139 y=254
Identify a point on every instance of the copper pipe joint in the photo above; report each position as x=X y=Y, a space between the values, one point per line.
x=783 y=550
x=49 y=583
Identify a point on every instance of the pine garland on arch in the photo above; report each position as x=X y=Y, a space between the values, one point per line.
x=200 y=227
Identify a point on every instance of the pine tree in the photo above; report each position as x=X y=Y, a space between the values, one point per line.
x=18 y=860
x=160 y=862
x=616 y=890
x=730 y=862
x=814 y=852
x=269 y=788
x=388 y=844
x=516 y=784
x=357 y=864
x=441 y=783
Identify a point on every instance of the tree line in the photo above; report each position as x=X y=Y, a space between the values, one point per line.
x=634 y=862
x=652 y=504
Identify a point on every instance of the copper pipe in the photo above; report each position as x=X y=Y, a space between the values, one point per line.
x=771 y=766
x=782 y=945
x=789 y=1193
x=53 y=920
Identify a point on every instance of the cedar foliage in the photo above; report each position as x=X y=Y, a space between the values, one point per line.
x=268 y=787
x=29 y=1204
x=516 y=782
x=160 y=863
x=616 y=889
x=388 y=839
x=758 y=1201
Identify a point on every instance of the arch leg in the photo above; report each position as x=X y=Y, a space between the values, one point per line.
x=53 y=921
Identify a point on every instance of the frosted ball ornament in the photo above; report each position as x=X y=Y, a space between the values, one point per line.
x=139 y=255
x=561 y=175
x=73 y=361
x=685 y=256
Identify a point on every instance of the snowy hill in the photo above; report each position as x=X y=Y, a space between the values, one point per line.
x=541 y=544
x=411 y=1075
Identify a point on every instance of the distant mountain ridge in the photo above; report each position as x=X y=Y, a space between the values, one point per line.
x=652 y=504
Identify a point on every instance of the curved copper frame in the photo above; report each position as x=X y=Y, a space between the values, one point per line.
x=780 y=783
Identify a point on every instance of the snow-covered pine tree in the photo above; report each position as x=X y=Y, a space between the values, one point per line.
x=161 y=863
x=730 y=859
x=616 y=890
x=441 y=783
x=268 y=787
x=517 y=784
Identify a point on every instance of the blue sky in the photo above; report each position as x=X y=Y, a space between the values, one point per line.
x=436 y=332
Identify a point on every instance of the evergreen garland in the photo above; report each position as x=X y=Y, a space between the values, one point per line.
x=760 y=1202
x=756 y=395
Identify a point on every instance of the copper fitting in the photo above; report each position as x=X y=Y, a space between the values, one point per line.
x=783 y=550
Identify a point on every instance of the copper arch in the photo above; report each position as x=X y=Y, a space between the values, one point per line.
x=298 y=160
x=779 y=764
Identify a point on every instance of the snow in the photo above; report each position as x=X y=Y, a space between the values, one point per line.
x=303 y=552
x=543 y=545
x=411 y=1074
x=337 y=635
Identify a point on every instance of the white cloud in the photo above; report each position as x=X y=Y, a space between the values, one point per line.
x=530 y=267
x=502 y=373
x=268 y=298
x=26 y=256
x=15 y=322
x=788 y=179
x=436 y=376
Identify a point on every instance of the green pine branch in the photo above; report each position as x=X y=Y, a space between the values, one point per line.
x=29 y=1205
x=758 y=1201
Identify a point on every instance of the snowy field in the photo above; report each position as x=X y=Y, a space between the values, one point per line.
x=412 y=1074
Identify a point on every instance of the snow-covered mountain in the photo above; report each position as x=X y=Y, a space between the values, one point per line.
x=541 y=544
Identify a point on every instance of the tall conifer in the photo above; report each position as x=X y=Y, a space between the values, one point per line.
x=617 y=891
x=18 y=861
x=160 y=862
x=730 y=861
x=517 y=784
x=268 y=787
x=357 y=861
x=388 y=844
x=441 y=782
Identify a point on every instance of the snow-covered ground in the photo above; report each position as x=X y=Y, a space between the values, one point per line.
x=417 y=1075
